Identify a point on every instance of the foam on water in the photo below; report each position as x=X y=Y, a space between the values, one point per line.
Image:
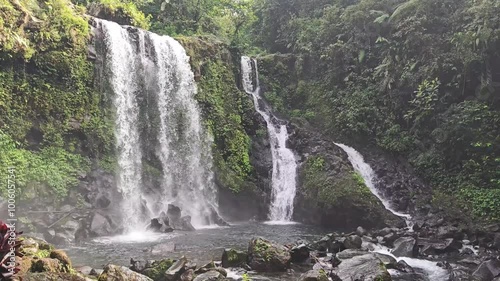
x=136 y=237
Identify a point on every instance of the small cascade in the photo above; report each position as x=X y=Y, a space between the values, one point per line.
x=359 y=164
x=432 y=271
x=284 y=164
x=153 y=88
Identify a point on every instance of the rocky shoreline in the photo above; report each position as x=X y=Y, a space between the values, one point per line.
x=425 y=252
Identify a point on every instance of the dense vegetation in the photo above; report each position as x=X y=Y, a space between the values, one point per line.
x=418 y=78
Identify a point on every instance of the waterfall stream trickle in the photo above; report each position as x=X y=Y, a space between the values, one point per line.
x=153 y=88
x=284 y=164
x=359 y=164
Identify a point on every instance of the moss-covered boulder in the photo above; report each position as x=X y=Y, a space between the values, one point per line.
x=158 y=269
x=266 y=256
x=120 y=273
x=233 y=258
x=47 y=265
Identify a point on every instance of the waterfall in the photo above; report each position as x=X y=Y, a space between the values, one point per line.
x=153 y=87
x=122 y=69
x=359 y=164
x=284 y=165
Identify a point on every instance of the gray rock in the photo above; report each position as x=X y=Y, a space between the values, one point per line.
x=100 y=225
x=353 y=242
x=121 y=273
x=350 y=253
x=487 y=271
x=300 y=253
x=405 y=247
x=210 y=276
x=496 y=241
x=314 y=275
x=84 y=270
x=188 y=275
x=360 y=231
x=365 y=267
x=176 y=269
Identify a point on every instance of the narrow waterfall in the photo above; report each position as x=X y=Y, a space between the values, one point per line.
x=359 y=164
x=122 y=68
x=284 y=165
x=153 y=87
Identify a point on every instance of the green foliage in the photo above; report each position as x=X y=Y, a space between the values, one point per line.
x=414 y=77
x=51 y=170
x=245 y=277
x=128 y=11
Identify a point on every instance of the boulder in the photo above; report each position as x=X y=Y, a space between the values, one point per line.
x=188 y=275
x=185 y=224
x=314 y=275
x=436 y=247
x=364 y=267
x=47 y=265
x=210 y=276
x=350 y=253
x=496 y=241
x=100 y=225
x=121 y=273
x=300 y=253
x=353 y=242
x=156 y=270
x=487 y=271
x=177 y=268
x=265 y=256
x=233 y=258
x=360 y=231
x=405 y=247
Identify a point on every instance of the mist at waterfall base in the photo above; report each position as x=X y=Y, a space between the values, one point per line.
x=152 y=86
x=284 y=171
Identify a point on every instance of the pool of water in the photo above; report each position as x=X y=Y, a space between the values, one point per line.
x=202 y=245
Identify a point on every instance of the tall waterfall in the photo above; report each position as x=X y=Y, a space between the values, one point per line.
x=284 y=165
x=369 y=177
x=153 y=87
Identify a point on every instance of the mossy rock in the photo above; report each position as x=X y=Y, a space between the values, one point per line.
x=233 y=258
x=157 y=269
x=266 y=256
x=62 y=257
x=47 y=265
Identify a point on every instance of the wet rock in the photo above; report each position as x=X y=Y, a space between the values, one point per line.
x=263 y=255
x=121 y=273
x=86 y=270
x=188 y=275
x=487 y=271
x=233 y=258
x=175 y=271
x=360 y=231
x=350 y=253
x=206 y=268
x=436 y=247
x=100 y=225
x=405 y=247
x=353 y=242
x=364 y=267
x=402 y=266
x=314 y=275
x=300 y=253
x=186 y=224
x=96 y=271
x=210 y=276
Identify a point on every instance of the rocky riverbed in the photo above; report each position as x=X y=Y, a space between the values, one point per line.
x=443 y=253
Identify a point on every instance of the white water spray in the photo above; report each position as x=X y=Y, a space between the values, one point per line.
x=359 y=164
x=431 y=270
x=154 y=71
x=284 y=165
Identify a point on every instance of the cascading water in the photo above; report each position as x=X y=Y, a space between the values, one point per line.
x=369 y=177
x=284 y=165
x=147 y=68
x=121 y=65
